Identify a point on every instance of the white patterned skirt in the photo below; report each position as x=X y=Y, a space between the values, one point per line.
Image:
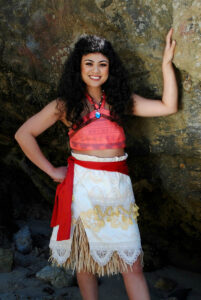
x=105 y=237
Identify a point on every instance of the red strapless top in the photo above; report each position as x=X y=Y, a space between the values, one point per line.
x=97 y=133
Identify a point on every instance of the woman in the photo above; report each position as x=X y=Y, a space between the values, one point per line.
x=94 y=218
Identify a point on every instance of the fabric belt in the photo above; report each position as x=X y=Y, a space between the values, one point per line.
x=62 y=206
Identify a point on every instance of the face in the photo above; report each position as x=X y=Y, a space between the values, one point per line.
x=94 y=69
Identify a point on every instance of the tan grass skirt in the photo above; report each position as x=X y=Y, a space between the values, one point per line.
x=81 y=260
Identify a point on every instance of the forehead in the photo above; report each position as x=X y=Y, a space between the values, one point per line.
x=95 y=57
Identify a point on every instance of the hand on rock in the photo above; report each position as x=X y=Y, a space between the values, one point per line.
x=169 y=48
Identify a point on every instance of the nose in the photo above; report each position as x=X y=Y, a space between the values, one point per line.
x=96 y=69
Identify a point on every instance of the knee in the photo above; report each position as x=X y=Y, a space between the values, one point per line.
x=85 y=275
x=135 y=269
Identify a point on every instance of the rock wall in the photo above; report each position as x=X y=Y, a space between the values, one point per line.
x=164 y=152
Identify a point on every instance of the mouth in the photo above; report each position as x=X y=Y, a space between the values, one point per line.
x=96 y=78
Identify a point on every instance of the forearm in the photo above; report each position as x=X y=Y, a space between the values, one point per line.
x=170 y=89
x=32 y=150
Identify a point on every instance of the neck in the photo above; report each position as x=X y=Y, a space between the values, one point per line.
x=95 y=93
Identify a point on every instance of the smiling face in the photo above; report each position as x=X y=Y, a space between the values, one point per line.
x=94 y=69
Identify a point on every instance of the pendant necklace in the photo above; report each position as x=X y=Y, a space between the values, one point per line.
x=97 y=106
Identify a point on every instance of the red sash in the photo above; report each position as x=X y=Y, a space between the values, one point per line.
x=62 y=206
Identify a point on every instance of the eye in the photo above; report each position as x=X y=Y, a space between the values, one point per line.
x=103 y=65
x=89 y=64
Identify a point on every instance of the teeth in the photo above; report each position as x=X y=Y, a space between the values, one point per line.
x=95 y=77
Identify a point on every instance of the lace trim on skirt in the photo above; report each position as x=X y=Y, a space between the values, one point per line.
x=97 y=261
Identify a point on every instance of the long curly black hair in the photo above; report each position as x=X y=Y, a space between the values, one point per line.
x=71 y=88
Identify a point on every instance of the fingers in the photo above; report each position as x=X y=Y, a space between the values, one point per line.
x=169 y=42
x=169 y=47
x=173 y=44
x=168 y=38
x=169 y=34
x=58 y=180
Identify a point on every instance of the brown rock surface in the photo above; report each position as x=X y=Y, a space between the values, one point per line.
x=164 y=152
x=6 y=260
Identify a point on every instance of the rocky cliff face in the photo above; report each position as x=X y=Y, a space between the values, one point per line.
x=164 y=152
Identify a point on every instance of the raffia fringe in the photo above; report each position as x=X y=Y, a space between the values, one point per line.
x=81 y=260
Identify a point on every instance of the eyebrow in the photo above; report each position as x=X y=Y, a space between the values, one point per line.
x=99 y=61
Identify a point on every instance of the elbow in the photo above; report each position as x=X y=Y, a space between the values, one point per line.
x=174 y=110
x=171 y=112
x=17 y=135
x=23 y=135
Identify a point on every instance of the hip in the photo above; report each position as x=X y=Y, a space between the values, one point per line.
x=102 y=187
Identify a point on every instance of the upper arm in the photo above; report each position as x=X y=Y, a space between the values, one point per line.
x=42 y=120
x=145 y=107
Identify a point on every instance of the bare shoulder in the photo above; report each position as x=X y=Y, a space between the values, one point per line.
x=61 y=110
x=60 y=107
x=144 y=107
x=51 y=110
x=42 y=120
x=137 y=98
x=137 y=101
x=57 y=108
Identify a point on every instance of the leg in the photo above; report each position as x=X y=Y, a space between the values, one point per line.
x=88 y=286
x=135 y=283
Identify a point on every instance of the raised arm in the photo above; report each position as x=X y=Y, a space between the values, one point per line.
x=169 y=105
x=26 y=137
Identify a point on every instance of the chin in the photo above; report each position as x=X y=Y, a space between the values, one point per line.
x=94 y=84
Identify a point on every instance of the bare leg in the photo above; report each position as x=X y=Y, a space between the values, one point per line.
x=88 y=286
x=135 y=283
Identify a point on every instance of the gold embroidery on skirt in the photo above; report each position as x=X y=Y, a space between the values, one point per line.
x=118 y=216
x=81 y=260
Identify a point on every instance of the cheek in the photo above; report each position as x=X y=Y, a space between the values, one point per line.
x=83 y=71
x=106 y=72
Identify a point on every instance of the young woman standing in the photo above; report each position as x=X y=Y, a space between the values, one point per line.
x=94 y=219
